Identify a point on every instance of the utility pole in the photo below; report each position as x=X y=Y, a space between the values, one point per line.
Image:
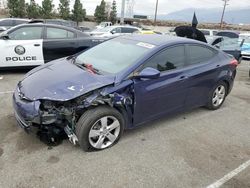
x=156 y=9
x=222 y=16
x=122 y=12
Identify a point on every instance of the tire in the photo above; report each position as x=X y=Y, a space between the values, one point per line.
x=91 y=131
x=212 y=104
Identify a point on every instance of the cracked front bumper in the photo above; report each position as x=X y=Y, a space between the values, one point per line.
x=26 y=112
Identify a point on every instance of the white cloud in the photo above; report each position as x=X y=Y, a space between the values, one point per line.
x=147 y=7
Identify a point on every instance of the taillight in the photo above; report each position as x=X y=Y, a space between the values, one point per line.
x=234 y=62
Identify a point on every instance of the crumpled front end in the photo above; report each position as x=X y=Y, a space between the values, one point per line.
x=49 y=122
x=56 y=120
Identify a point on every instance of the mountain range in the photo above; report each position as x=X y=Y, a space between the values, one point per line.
x=235 y=16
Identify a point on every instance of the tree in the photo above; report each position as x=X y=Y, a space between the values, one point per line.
x=64 y=10
x=78 y=12
x=47 y=8
x=33 y=10
x=100 y=12
x=16 y=8
x=113 y=13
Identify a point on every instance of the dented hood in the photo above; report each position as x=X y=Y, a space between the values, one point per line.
x=61 y=80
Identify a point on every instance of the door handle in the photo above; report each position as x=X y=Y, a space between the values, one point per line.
x=217 y=65
x=183 y=77
x=36 y=44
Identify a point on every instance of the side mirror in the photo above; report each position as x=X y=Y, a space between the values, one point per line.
x=113 y=31
x=5 y=36
x=149 y=73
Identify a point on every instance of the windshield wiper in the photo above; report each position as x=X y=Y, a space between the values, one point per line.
x=91 y=68
x=85 y=66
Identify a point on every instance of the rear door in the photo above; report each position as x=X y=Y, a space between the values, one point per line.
x=23 y=48
x=58 y=43
x=202 y=69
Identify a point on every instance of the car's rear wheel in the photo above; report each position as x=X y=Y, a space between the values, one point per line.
x=99 y=128
x=217 y=96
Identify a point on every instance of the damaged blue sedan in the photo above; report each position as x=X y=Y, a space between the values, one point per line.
x=120 y=84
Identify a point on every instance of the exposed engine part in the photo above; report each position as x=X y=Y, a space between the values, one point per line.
x=71 y=135
x=51 y=135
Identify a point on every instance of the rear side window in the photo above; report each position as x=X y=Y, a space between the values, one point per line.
x=128 y=30
x=171 y=58
x=56 y=33
x=199 y=54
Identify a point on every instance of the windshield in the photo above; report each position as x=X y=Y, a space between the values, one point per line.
x=114 y=55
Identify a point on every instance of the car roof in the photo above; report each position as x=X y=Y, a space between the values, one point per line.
x=14 y=19
x=159 y=40
x=46 y=24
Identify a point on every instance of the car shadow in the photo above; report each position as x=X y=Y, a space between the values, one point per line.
x=165 y=121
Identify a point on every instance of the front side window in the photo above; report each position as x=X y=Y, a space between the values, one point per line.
x=199 y=54
x=56 y=33
x=26 y=33
x=171 y=58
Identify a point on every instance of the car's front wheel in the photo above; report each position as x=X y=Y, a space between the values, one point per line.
x=99 y=128
x=217 y=96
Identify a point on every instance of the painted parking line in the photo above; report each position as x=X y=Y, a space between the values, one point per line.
x=230 y=175
x=5 y=92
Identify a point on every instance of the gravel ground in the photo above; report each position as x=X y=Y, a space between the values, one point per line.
x=192 y=149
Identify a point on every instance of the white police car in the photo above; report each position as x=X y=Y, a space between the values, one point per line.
x=37 y=43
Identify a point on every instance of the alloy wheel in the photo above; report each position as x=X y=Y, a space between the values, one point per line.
x=219 y=95
x=104 y=132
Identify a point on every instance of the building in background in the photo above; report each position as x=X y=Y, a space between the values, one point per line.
x=3 y=4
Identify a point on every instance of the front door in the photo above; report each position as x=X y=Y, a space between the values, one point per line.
x=23 y=48
x=166 y=94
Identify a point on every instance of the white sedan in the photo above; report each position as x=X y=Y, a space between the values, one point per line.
x=114 y=31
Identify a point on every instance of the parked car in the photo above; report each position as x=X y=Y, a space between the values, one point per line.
x=114 y=31
x=245 y=49
x=2 y=29
x=120 y=84
x=209 y=32
x=103 y=25
x=229 y=34
x=6 y=23
x=38 y=43
x=231 y=46
x=84 y=29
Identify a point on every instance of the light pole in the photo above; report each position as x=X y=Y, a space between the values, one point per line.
x=156 y=9
x=223 y=12
x=122 y=12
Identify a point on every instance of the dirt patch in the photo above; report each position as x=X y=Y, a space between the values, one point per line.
x=28 y=142
x=1 y=152
x=53 y=159
x=8 y=126
x=236 y=183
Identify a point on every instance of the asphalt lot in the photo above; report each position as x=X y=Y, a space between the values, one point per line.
x=192 y=149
